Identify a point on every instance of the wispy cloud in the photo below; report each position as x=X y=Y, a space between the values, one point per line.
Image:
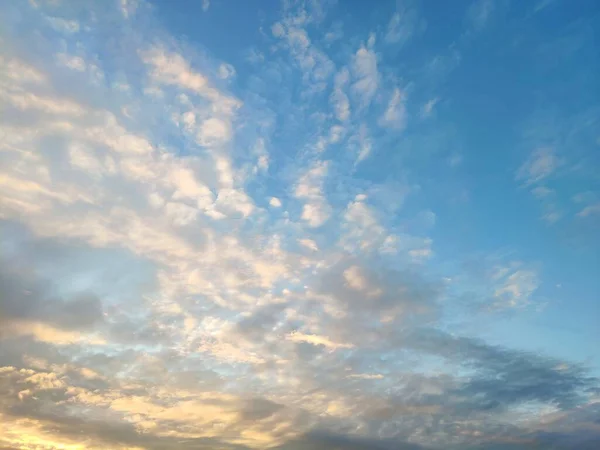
x=479 y=13
x=395 y=113
x=428 y=108
x=316 y=210
x=402 y=26
x=541 y=164
x=364 y=68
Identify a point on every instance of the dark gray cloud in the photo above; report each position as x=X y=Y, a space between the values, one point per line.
x=406 y=289
x=323 y=440
x=505 y=377
x=398 y=404
x=116 y=433
x=259 y=408
x=26 y=296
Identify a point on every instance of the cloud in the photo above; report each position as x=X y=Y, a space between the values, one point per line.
x=60 y=426
x=309 y=244
x=27 y=299
x=129 y=7
x=427 y=109
x=589 y=210
x=171 y=68
x=339 y=99
x=316 y=210
x=479 y=13
x=553 y=172
x=364 y=143
x=315 y=65
x=321 y=440
x=395 y=113
x=72 y=62
x=540 y=165
x=366 y=76
x=354 y=278
x=516 y=288
x=366 y=376
x=506 y=377
x=541 y=192
x=402 y=26
x=314 y=339
x=336 y=33
x=226 y=71
x=64 y=25
x=156 y=294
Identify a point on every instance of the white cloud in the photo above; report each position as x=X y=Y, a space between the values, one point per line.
x=83 y=157
x=540 y=165
x=64 y=25
x=277 y=29
x=401 y=27
x=225 y=351
x=72 y=62
x=516 y=286
x=362 y=230
x=479 y=13
x=226 y=71
x=552 y=216
x=541 y=192
x=262 y=156
x=365 y=145
x=589 y=210
x=254 y=56
x=336 y=132
x=364 y=68
x=366 y=376
x=173 y=69
x=420 y=254
x=315 y=65
x=316 y=340
x=233 y=201
x=186 y=184
x=316 y=211
x=455 y=160
x=275 y=202
x=43 y=332
x=335 y=34
x=355 y=279
x=427 y=109
x=309 y=244
x=395 y=114
x=129 y=7
x=180 y=213
x=28 y=101
x=19 y=71
x=205 y=5
x=263 y=163
x=339 y=99
x=214 y=131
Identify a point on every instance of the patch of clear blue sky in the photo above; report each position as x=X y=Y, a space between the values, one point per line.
x=526 y=71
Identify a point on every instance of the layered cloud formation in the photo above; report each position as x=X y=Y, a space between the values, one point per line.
x=213 y=254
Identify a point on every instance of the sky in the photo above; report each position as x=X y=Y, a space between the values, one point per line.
x=299 y=225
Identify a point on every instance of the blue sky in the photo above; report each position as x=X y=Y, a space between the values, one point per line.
x=299 y=224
